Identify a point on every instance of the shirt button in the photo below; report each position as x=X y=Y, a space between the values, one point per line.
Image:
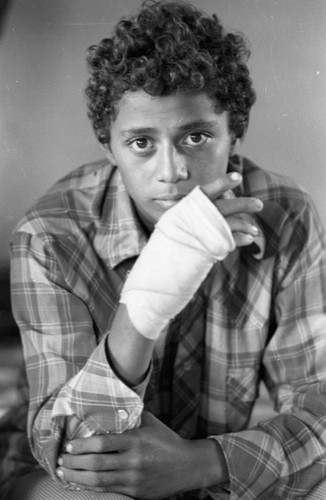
x=123 y=414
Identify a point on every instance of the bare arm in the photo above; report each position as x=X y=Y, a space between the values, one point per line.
x=129 y=351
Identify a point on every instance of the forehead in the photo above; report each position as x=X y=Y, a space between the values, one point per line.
x=138 y=109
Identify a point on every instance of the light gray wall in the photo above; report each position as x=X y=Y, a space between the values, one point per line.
x=43 y=125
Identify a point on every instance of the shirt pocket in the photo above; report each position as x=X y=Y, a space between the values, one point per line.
x=242 y=392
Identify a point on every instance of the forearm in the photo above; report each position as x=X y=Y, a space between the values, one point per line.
x=177 y=258
x=129 y=351
x=94 y=401
x=285 y=453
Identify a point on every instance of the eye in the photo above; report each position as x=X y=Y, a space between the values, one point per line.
x=196 y=139
x=141 y=144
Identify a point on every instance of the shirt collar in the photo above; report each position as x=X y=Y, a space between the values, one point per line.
x=127 y=237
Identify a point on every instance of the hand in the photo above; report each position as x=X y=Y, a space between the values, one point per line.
x=151 y=462
x=236 y=211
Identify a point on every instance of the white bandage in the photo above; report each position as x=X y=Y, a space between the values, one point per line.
x=188 y=239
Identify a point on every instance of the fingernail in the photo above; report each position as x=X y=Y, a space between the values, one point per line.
x=59 y=473
x=259 y=204
x=235 y=176
x=250 y=238
x=69 y=448
x=60 y=461
x=76 y=488
x=254 y=229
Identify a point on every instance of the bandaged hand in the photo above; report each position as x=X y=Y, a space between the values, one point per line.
x=188 y=239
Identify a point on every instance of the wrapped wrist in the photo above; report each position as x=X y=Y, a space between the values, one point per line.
x=186 y=242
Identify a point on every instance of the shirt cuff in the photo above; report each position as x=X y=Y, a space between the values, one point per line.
x=96 y=401
x=254 y=462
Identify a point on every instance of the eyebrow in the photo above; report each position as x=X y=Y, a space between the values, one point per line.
x=182 y=128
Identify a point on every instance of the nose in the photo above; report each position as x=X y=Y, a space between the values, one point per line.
x=171 y=166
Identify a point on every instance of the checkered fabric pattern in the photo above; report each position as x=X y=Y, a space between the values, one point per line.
x=260 y=314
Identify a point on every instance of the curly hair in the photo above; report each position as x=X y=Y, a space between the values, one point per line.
x=165 y=48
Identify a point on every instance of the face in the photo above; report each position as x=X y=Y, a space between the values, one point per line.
x=164 y=146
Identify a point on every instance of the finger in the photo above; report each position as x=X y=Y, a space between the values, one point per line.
x=242 y=239
x=221 y=185
x=97 y=489
x=92 y=462
x=242 y=224
x=99 y=444
x=89 y=480
x=239 y=205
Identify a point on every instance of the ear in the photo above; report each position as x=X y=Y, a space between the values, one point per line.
x=234 y=144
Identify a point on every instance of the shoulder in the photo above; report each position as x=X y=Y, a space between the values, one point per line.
x=75 y=200
x=86 y=177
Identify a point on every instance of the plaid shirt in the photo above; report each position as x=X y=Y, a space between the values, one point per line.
x=259 y=315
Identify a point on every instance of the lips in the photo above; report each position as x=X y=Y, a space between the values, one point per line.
x=168 y=201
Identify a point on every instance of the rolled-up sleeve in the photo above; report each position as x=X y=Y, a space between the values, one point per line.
x=73 y=390
x=285 y=456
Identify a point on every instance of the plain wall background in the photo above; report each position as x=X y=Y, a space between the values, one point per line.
x=44 y=131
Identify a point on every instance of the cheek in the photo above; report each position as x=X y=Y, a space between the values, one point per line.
x=211 y=174
x=209 y=167
x=132 y=168
x=134 y=181
x=130 y=182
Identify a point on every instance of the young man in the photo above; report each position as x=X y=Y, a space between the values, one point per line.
x=155 y=289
